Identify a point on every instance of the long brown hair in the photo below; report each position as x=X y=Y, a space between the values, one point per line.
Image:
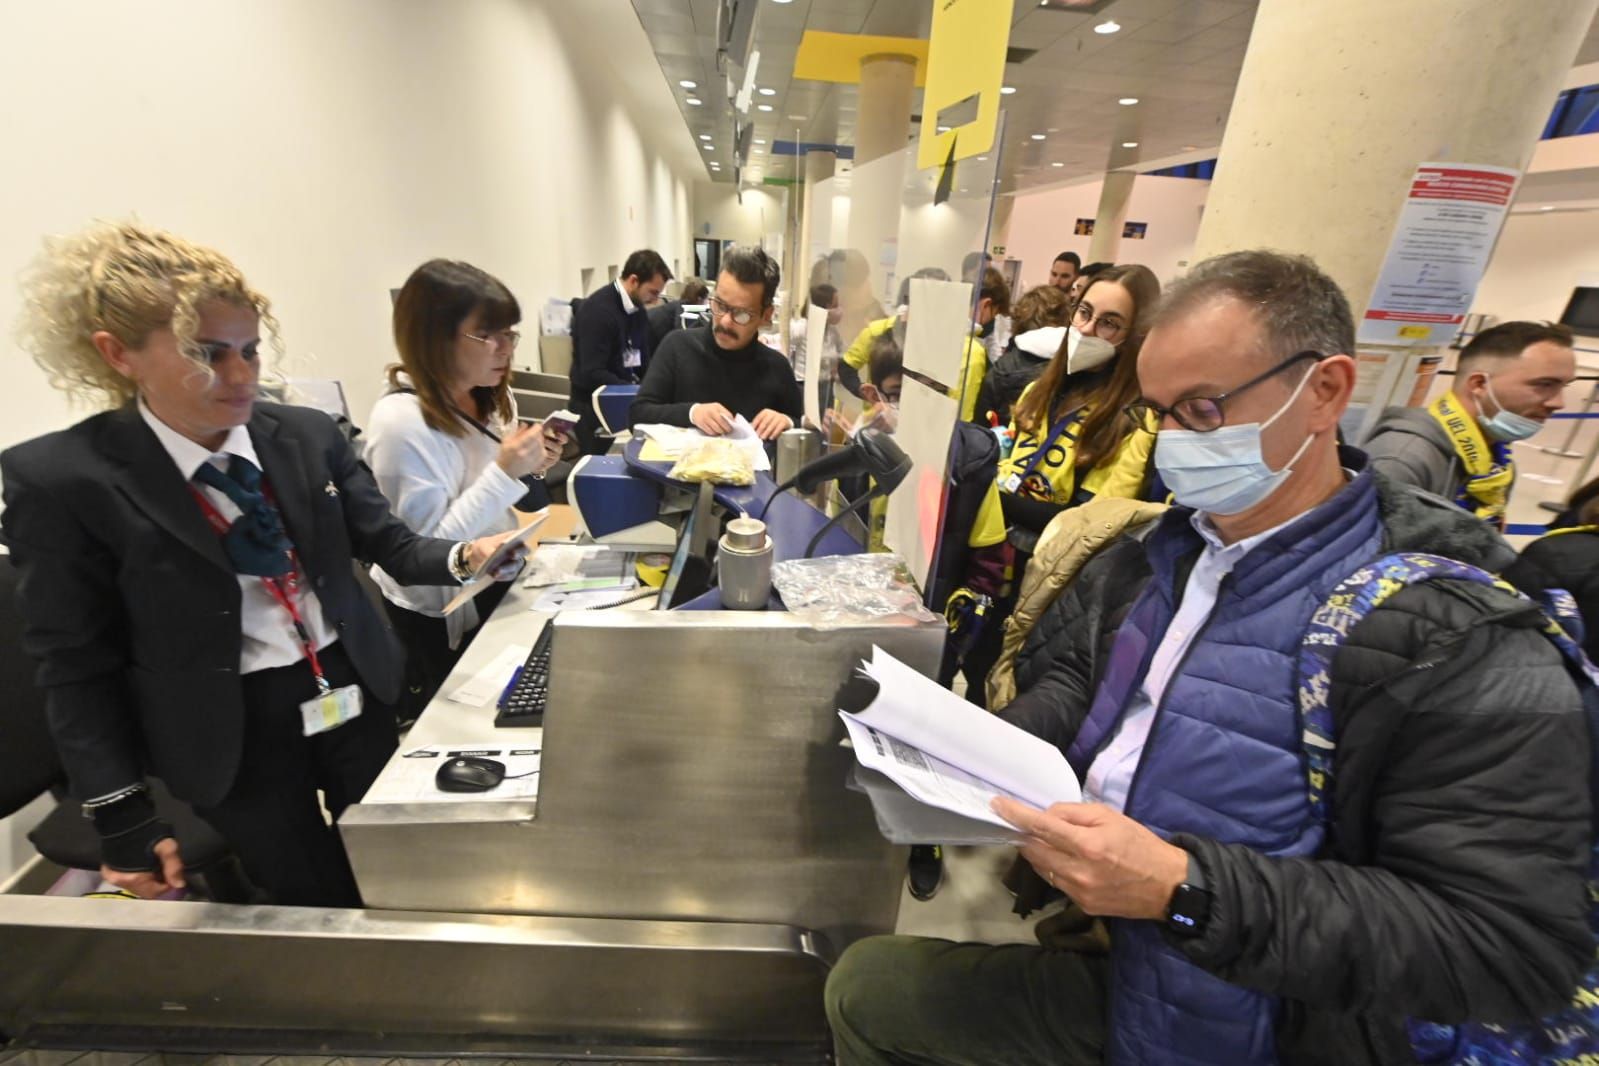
x=1105 y=427
x=437 y=299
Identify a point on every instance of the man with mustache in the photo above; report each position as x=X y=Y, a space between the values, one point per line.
x=706 y=377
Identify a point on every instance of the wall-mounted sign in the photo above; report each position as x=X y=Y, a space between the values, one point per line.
x=1084 y=228
x=965 y=64
x=1135 y=230
x=1447 y=229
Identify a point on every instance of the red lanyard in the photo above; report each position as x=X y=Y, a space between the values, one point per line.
x=285 y=590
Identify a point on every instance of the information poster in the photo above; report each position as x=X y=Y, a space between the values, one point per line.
x=1446 y=232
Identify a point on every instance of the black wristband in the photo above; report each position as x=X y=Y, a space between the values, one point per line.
x=129 y=832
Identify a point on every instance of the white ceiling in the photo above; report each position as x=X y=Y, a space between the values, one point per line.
x=1179 y=58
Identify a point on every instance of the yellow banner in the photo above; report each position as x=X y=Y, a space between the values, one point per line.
x=966 y=58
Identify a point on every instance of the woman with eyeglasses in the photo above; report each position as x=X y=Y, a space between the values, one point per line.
x=447 y=451
x=1073 y=442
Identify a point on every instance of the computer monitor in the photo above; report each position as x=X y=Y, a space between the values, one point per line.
x=690 y=573
x=1582 y=312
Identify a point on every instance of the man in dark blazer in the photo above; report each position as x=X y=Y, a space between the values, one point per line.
x=163 y=651
x=611 y=340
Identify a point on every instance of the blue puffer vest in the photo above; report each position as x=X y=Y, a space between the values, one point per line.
x=1223 y=760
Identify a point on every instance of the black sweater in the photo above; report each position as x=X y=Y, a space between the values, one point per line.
x=691 y=369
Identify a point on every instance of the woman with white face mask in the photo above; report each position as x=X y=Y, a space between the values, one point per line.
x=1072 y=443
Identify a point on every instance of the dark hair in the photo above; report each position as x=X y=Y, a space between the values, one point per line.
x=1105 y=426
x=1070 y=257
x=885 y=360
x=436 y=300
x=1510 y=339
x=823 y=295
x=646 y=264
x=1299 y=308
x=926 y=272
x=1096 y=268
x=1040 y=306
x=750 y=265
x=694 y=291
x=996 y=289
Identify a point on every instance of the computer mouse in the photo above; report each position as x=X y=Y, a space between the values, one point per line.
x=469 y=773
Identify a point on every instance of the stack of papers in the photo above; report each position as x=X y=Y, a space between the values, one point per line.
x=670 y=443
x=949 y=755
x=577 y=576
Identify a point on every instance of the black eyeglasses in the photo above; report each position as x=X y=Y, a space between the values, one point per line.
x=1203 y=414
x=742 y=316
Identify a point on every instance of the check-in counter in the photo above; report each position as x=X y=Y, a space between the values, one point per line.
x=688 y=872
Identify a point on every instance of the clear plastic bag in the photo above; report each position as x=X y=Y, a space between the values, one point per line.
x=841 y=589
x=724 y=462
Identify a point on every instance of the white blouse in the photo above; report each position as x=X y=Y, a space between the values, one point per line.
x=440 y=486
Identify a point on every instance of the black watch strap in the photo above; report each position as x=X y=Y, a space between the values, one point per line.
x=1188 y=912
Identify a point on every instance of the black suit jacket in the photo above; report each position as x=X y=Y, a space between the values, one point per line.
x=133 y=612
x=601 y=332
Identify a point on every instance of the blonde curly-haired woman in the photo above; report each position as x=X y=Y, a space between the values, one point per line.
x=185 y=571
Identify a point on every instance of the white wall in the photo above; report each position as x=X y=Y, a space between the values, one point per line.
x=329 y=148
x=1539 y=259
x=719 y=214
x=1041 y=225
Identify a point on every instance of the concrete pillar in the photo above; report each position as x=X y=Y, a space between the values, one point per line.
x=883 y=111
x=1338 y=102
x=1110 y=217
x=818 y=167
x=877 y=180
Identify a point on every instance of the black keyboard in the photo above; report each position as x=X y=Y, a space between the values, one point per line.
x=523 y=703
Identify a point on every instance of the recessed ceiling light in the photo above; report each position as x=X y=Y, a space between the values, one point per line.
x=693 y=101
x=689 y=84
x=1128 y=101
x=1546 y=209
x=1057 y=164
x=759 y=141
x=767 y=92
x=982 y=159
x=763 y=107
x=1006 y=90
x=1129 y=144
x=1108 y=26
x=943 y=129
x=798 y=118
x=1038 y=136
x=782 y=1
x=705 y=136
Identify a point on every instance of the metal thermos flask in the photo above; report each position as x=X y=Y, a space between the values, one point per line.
x=795 y=448
x=744 y=565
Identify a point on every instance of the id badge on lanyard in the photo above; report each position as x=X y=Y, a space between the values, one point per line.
x=632 y=358
x=330 y=707
x=1014 y=482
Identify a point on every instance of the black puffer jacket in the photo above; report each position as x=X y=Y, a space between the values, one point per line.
x=1568 y=561
x=1457 y=885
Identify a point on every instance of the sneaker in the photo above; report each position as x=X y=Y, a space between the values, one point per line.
x=925 y=870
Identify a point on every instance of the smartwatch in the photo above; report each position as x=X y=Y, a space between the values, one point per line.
x=1188 y=913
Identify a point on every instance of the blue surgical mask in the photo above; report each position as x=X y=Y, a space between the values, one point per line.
x=1507 y=426
x=1223 y=472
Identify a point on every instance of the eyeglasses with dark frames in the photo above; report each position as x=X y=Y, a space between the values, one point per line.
x=1205 y=414
x=1110 y=329
x=742 y=316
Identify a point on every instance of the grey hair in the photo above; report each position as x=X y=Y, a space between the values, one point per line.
x=1298 y=306
x=749 y=265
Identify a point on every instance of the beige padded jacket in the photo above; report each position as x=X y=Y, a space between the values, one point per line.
x=1070 y=540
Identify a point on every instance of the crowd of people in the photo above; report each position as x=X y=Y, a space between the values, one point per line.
x=1384 y=859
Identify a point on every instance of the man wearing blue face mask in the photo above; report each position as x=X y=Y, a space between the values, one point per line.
x=1509 y=380
x=1249 y=921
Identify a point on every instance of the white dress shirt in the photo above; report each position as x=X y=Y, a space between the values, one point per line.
x=628 y=306
x=439 y=486
x=1110 y=776
x=269 y=638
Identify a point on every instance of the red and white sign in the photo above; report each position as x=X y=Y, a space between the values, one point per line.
x=1446 y=232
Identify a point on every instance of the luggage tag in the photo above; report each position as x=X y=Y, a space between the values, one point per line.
x=1011 y=484
x=329 y=709
x=632 y=358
